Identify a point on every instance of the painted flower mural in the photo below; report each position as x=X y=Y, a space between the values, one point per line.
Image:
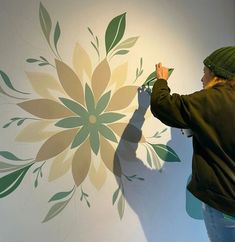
x=79 y=114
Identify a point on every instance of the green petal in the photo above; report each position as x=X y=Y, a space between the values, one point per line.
x=95 y=141
x=74 y=107
x=70 y=122
x=107 y=133
x=110 y=117
x=102 y=103
x=90 y=103
x=80 y=136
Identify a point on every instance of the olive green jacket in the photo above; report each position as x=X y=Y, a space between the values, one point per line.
x=210 y=114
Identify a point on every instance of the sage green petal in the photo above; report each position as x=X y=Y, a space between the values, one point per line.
x=90 y=102
x=74 y=107
x=70 y=122
x=80 y=136
x=95 y=141
x=102 y=103
x=110 y=117
x=107 y=133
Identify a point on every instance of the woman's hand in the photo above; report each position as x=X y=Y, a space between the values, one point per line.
x=162 y=72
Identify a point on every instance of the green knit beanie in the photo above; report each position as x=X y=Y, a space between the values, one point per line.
x=222 y=62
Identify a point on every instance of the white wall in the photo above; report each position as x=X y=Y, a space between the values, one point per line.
x=180 y=33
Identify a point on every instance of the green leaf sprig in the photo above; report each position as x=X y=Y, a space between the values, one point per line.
x=139 y=70
x=84 y=196
x=18 y=121
x=95 y=44
x=41 y=62
x=38 y=170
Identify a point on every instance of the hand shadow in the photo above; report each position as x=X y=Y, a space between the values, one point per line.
x=149 y=198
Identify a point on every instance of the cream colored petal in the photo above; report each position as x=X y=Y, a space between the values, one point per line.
x=35 y=132
x=122 y=98
x=119 y=75
x=44 y=84
x=60 y=165
x=100 y=78
x=70 y=81
x=81 y=163
x=110 y=157
x=56 y=144
x=45 y=108
x=128 y=132
x=98 y=176
x=81 y=62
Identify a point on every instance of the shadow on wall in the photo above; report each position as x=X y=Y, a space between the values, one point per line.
x=157 y=201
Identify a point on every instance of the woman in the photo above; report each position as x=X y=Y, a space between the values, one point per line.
x=210 y=114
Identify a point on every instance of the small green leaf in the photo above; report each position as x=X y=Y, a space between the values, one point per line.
x=10 y=156
x=60 y=195
x=89 y=97
x=31 y=60
x=43 y=64
x=80 y=136
x=55 y=210
x=110 y=117
x=45 y=21
x=70 y=122
x=20 y=122
x=7 y=81
x=121 y=52
x=90 y=31
x=43 y=58
x=11 y=181
x=6 y=167
x=115 y=195
x=74 y=107
x=121 y=206
x=107 y=133
x=165 y=152
x=115 y=32
x=102 y=103
x=6 y=125
x=149 y=158
x=36 y=183
x=56 y=34
x=128 y=43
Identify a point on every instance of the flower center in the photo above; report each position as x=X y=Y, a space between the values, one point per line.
x=92 y=119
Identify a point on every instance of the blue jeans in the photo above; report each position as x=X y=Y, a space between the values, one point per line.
x=220 y=227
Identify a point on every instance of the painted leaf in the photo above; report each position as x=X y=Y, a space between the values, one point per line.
x=11 y=181
x=115 y=32
x=122 y=98
x=8 y=95
x=115 y=195
x=70 y=81
x=70 y=122
x=149 y=158
x=102 y=103
x=81 y=163
x=95 y=141
x=74 y=106
x=119 y=75
x=100 y=78
x=45 y=21
x=128 y=43
x=56 y=34
x=55 y=210
x=90 y=102
x=156 y=162
x=121 y=206
x=35 y=131
x=165 y=152
x=110 y=117
x=55 y=144
x=45 y=108
x=60 y=195
x=81 y=61
x=6 y=167
x=121 y=52
x=107 y=133
x=10 y=156
x=110 y=157
x=44 y=84
x=80 y=136
x=98 y=175
x=7 y=81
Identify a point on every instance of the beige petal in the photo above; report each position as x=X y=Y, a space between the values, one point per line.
x=35 y=132
x=122 y=98
x=81 y=61
x=119 y=75
x=128 y=132
x=45 y=108
x=70 y=81
x=56 y=144
x=60 y=166
x=110 y=157
x=44 y=84
x=98 y=177
x=100 y=78
x=81 y=162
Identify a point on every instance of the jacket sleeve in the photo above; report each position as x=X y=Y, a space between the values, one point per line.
x=173 y=109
